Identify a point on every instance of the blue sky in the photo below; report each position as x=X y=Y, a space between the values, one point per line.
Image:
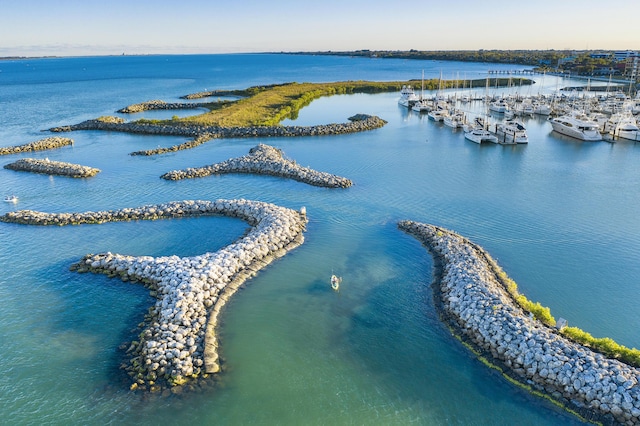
x=90 y=27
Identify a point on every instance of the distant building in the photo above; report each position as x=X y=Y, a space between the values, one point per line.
x=624 y=54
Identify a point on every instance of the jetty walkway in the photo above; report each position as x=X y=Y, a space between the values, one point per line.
x=178 y=343
x=266 y=160
x=475 y=303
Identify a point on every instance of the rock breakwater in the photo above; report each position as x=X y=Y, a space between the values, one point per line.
x=40 y=145
x=52 y=168
x=266 y=160
x=202 y=133
x=178 y=342
x=158 y=105
x=477 y=306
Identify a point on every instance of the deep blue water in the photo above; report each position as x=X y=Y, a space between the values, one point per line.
x=560 y=216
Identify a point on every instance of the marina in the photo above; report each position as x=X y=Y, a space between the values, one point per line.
x=590 y=116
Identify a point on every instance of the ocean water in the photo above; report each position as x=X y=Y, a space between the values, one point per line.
x=559 y=215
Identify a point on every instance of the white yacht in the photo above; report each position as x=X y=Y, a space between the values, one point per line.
x=455 y=120
x=438 y=114
x=576 y=125
x=623 y=125
x=499 y=106
x=511 y=132
x=408 y=97
x=422 y=106
x=541 y=108
x=479 y=135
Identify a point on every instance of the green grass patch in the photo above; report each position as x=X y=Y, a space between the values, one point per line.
x=269 y=105
x=604 y=345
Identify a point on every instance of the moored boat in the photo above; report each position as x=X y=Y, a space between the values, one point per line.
x=438 y=114
x=479 y=135
x=623 y=126
x=407 y=97
x=511 y=132
x=576 y=125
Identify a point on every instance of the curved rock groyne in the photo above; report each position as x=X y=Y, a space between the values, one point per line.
x=266 y=160
x=158 y=105
x=40 y=145
x=49 y=167
x=178 y=341
x=478 y=307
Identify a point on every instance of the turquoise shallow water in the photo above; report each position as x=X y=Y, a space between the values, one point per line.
x=560 y=216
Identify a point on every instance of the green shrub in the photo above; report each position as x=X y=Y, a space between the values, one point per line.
x=604 y=345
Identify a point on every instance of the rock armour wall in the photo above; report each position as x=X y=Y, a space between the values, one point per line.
x=52 y=168
x=476 y=304
x=178 y=342
x=267 y=160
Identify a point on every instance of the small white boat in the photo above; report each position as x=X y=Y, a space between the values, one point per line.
x=479 y=135
x=422 y=106
x=499 y=106
x=511 y=132
x=335 y=282
x=455 y=120
x=438 y=114
x=11 y=199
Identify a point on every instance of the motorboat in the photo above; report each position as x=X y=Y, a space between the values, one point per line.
x=479 y=135
x=511 y=132
x=623 y=125
x=11 y=199
x=576 y=125
x=499 y=106
x=408 y=97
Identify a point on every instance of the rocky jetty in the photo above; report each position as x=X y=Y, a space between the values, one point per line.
x=49 y=167
x=202 y=133
x=40 y=145
x=158 y=105
x=266 y=160
x=475 y=303
x=211 y=93
x=178 y=341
